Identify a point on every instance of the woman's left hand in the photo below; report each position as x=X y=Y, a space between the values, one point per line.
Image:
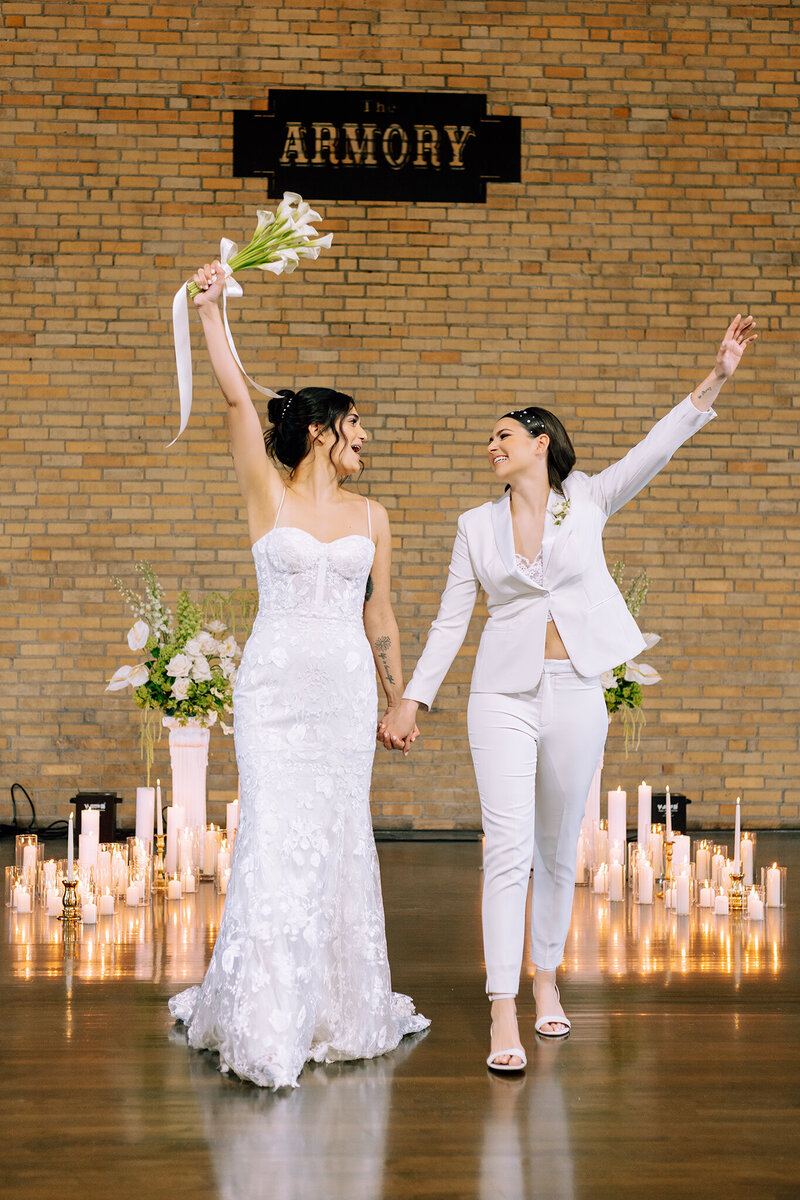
x=738 y=335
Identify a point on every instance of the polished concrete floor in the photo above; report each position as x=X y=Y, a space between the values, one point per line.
x=681 y=1077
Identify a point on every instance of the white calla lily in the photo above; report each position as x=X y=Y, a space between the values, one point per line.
x=608 y=679
x=138 y=635
x=641 y=673
x=128 y=676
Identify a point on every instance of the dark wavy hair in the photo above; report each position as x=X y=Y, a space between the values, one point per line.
x=290 y=414
x=560 y=452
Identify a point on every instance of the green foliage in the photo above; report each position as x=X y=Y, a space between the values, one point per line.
x=626 y=696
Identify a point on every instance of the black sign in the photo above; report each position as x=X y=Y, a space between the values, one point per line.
x=417 y=146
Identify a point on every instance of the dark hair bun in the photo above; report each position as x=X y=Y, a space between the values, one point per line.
x=278 y=405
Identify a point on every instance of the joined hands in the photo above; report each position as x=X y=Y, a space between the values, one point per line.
x=398 y=728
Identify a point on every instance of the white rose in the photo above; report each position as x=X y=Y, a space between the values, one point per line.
x=200 y=668
x=193 y=647
x=180 y=688
x=229 y=647
x=206 y=641
x=216 y=627
x=179 y=664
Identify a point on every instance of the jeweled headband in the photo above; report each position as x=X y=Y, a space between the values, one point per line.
x=531 y=422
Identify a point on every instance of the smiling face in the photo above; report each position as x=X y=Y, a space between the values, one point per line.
x=345 y=453
x=513 y=452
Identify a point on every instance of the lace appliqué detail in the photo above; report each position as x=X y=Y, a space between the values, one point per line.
x=532 y=570
x=300 y=970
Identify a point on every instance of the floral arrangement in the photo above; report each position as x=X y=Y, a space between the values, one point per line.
x=623 y=686
x=191 y=659
x=280 y=240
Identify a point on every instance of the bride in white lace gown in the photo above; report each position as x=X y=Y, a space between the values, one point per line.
x=300 y=971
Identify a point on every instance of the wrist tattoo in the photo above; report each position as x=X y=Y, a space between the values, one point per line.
x=382 y=648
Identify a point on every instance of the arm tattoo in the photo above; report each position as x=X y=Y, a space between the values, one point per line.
x=703 y=393
x=382 y=647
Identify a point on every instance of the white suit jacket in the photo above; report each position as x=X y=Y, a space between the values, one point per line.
x=590 y=613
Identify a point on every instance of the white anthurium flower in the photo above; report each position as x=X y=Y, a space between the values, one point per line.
x=641 y=673
x=210 y=717
x=608 y=679
x=179 y=665
x=180 y=688
x=201 y=670
x=128 y=676
x=138 y=635
x=651 y=639
x=226 y=729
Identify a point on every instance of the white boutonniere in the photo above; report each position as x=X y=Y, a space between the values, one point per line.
x=560 y=512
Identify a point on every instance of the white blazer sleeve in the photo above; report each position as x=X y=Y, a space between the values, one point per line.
x=448 y=631
x=619 y=483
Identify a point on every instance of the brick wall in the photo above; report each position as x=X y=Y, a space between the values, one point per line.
x=659 y=197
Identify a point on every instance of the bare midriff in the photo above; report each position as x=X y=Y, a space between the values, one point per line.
x=553 y=645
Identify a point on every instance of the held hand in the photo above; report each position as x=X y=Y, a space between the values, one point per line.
x=211 y=279
x=398 y=729
x=738 y=335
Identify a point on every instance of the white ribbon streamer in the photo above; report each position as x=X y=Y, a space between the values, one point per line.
x=183 y=341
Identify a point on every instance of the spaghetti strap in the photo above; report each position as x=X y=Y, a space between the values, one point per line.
x=278 y=513
x=369 y=518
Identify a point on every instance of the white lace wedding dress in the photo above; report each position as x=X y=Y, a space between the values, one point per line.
x=299 y=969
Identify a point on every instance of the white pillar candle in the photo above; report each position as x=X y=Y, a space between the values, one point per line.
x=188 y=884
x=29 y=856
x=706 y=895
x=174 y=889
x=223 y=859
x=725 y=876
x=755 y=908
x=119 y=871
x=89 y=912
x=223 y=881
x=682 y=895
x=54 y=902
x=668 y=815
x=231 y=820
x=657 y=853
x=644 y=812
x=105 y=905
x=774 y=886
x=616 y=882
x=159 y=816
x=721 y=905
x=703 y=861
x=737 y=837
x=746 y=854
x=617 y=818
x=87 y=850
x=602 y=844
x=145 y=814
x=601 y=879
x=90 y=822
x=132 y=894
x=102 y=873
x=717 y=864
x=681 y=852
x=186 y=851
x=645 y=885
x=70 y=850
x=21 y=899
x=210 y=851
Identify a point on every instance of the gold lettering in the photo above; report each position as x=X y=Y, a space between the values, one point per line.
x=324 y=143
x=459 y=136
x=395 y=146
x=294 y=146
x=359 y=151
x=427 y=145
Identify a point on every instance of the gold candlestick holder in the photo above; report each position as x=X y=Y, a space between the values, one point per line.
x=668 y=878
x=736 y=893
x=70 y=905
x=159 y=874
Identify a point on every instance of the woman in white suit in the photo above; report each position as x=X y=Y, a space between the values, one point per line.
x=537 y=718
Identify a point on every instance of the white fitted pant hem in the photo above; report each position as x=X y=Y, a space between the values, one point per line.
x=534 y=754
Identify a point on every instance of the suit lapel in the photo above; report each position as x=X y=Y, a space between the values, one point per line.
x=504 y=532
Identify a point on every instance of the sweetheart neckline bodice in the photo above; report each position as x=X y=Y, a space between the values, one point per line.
x=296 y=529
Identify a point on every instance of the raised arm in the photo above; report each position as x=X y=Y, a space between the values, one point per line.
x=259 y=481
x=619 y=483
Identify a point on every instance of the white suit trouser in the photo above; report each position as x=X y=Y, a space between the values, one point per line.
x=534 y=754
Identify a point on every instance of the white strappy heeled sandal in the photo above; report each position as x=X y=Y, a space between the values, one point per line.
x=553 y=1020
x=517 y=1051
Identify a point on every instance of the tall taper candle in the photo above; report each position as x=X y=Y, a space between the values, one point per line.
x=668 y=816
x=70 y=851
x=159 y=815
x=737 y=838
x=618 y=820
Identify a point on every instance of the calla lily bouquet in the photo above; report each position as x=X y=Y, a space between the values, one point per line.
x=190 y=660
x=281 y=239
x=623 y=686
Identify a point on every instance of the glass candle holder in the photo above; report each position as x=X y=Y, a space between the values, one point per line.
x=103 y=869
x=702 y=859
x=643 y=879
x=119 y=871
x=189 y=883
x=27 y=853
x=583 y=860
x=13 y=876
x=46 y=877
x=210 y=843
x=600 y=880
x=22 y=896
x=602 y=844
x=747 y=853
x=188 y=851
x=773 y=883
x=656 y=849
